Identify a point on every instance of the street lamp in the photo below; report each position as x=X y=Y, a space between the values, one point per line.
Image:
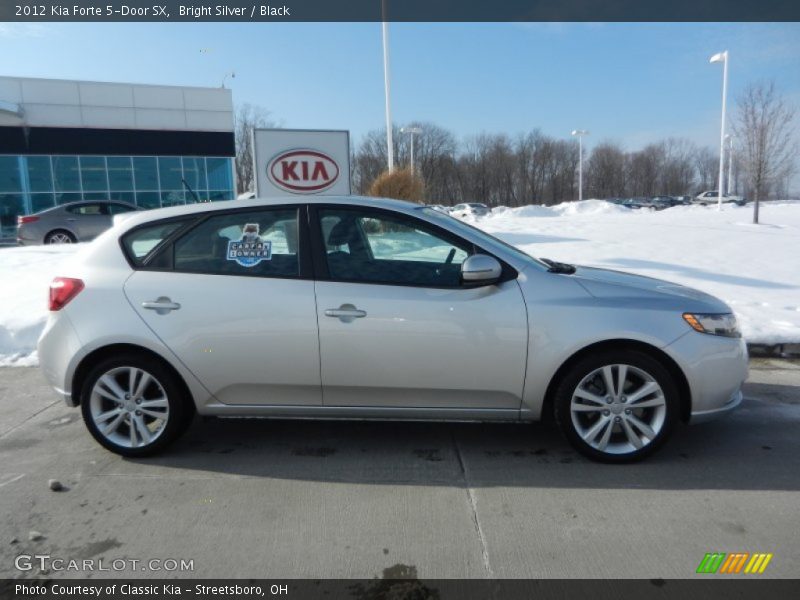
x=579 y=133
x=729 y=137
x=412 y=131
x=723 y=58
x=389 y=145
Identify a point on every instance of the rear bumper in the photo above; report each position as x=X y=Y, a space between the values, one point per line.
x=58 y=345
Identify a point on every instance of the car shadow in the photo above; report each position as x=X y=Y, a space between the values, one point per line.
x=535 y=238
x=696 y=273
x=756 y=448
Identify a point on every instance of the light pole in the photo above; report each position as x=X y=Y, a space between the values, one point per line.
x=723 y=58
x=579 y=133
x=412 y=131
x=729 y=137
x=389 y=145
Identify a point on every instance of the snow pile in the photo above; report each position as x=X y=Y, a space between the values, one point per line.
x=26 y=274
x=754 y=268
x=565 y=209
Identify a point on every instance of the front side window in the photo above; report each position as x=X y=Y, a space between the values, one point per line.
x=261 y=242
x=377 y=247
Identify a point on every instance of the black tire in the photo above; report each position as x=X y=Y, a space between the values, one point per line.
x=586 y=366
x=180 y=406
x=50 y=238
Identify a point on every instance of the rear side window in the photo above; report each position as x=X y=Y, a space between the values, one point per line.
x=262 y=242
x=140 y=242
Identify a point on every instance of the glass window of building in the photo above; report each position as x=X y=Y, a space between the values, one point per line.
x=145 y=173
x=170 y=173
x=94 y=176
x=120 y=173
x=40 y=174
x=65 y=174
x=194 y=171
x=10 y=180
x=31 y=184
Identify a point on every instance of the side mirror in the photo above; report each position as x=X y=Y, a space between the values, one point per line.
x=480 y=269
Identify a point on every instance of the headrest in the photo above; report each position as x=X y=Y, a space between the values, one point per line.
x=341 y=234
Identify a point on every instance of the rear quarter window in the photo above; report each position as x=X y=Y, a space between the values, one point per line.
x=140 y=242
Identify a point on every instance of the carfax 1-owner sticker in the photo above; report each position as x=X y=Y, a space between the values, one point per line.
x=250 y=249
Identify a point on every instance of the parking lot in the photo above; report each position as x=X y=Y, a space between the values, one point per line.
x=258 y=498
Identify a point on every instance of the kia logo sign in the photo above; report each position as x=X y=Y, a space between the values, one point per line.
x=303 y=171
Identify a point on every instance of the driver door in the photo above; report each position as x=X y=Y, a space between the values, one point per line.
x=396 y=326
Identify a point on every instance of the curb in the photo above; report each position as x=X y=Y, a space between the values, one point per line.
x=774 y=350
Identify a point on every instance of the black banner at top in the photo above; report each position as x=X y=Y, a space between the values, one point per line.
x=397 y=10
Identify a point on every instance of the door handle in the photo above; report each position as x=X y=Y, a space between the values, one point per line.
x=70 y=220
x=346 y=313
x=162 y=305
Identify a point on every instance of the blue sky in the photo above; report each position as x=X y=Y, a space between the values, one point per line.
x=632 y=83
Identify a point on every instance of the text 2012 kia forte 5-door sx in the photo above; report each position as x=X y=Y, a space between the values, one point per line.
x=354 y=307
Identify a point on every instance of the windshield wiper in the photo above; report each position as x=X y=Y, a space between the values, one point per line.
x=558 y=267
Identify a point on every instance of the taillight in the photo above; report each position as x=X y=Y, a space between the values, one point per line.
x=62 y=290
x=22 y=219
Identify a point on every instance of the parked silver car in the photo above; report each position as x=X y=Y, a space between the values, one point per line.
x=69 y=223
x=348 y=307
x=470 y=209
x=712 y=197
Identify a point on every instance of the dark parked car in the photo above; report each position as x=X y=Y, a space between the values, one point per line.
x=69 y=223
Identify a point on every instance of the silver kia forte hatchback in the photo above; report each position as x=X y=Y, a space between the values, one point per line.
x=357 y=308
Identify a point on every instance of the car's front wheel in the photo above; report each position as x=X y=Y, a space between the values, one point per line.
x=133 y=405
x=617 y=406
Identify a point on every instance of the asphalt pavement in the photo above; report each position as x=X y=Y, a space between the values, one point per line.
x=260 y=498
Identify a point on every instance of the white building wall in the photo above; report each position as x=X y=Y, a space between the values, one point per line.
x=61 y=103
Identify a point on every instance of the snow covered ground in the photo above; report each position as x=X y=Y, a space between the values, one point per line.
x=754 y=268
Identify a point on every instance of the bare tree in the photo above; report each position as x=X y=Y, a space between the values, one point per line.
x=605 y=171
x=763 y=126
x=247 y=118
x=707 y=163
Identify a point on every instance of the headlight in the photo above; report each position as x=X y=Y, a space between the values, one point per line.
x=715 y=324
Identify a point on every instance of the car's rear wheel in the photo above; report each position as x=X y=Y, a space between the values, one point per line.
x=59 y=236
x=617 y=406
x=134 y=405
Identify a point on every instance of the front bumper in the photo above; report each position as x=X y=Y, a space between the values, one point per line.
x=715 y=369
x=703 y=416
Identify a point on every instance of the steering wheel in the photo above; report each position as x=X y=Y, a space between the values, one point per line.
x=450 y=256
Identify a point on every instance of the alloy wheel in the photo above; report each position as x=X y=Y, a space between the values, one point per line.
x=129 y=407
x=59 y=238
x=618 y=409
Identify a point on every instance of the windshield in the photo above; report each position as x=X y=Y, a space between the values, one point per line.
x=488 y=240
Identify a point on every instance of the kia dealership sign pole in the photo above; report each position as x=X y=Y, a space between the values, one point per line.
x=301 y=161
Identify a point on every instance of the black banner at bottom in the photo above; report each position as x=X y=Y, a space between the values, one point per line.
x=402 y=589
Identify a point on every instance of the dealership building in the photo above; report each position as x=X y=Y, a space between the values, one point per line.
x=150 y=145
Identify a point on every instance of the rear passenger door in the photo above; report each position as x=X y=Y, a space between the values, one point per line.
x=233 y=298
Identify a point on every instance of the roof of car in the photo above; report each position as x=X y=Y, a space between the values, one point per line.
x=133 y=219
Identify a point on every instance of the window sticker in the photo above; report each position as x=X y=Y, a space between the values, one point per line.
x=251 y=249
